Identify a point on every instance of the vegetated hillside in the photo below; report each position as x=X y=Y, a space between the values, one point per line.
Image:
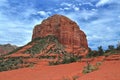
x=38 y=49
x=6 y=48
x=57 y=39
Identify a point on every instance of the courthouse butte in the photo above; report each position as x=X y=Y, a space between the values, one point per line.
x=67 y=32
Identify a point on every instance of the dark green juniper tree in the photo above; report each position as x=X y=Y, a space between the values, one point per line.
x=100 y=51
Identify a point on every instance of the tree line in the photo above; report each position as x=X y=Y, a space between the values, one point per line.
x=101 y=52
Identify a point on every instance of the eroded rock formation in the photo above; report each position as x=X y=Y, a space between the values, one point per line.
x=66 y=30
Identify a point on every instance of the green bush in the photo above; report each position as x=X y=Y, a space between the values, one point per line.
x=66 y=59
x=100 y=51
x=98 y=63
x=13 y=63
x=92 y=54
x=89 y=68
x=70 y=59
x=54 y=62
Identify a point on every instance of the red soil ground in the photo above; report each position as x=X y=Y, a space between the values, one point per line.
x=43 y=72
x=109 y=70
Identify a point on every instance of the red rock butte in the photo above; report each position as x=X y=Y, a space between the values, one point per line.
x=66 y=30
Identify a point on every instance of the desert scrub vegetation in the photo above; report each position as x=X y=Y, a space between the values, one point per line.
x=90 y=68
x=101 y=52
x=75 y=77
x=41 y=45
x=13 y=63
x=70 y=78
x=66 y=59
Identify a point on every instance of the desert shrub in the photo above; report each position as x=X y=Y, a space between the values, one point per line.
x=95 y=53
x=13 y=63
x=98 y=63
x=54 y=62
x=100 y=51
x=110 y=49
x=92 y=54
x=75 y=77
x=65 y=78
x=70 y=59
x=47 y=56
x=31 y=64
x=113 y=52
x=89 y=68
x=68 y=78
x=66 y=59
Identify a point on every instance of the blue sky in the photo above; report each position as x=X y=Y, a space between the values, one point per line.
x=99 y=19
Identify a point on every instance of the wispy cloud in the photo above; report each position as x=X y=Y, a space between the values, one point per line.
x=44 y=13
x=99 y=19
x=65 y=4
x=103 y=2
x=100 y=24
x=15 y=25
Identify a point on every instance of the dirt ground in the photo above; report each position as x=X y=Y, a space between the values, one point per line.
x=109 y=70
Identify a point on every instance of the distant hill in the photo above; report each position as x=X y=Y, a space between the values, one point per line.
x=6 y=48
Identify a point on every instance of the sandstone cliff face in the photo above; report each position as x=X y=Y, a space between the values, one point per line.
x=66 y=30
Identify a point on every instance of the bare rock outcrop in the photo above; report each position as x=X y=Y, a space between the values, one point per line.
x=66 y=30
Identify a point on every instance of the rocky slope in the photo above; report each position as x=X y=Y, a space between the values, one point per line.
x=66 y=30
x=57 y=40
x=6 y=48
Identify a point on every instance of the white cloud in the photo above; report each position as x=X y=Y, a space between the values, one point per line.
x=88 y=3
x=43 y=13
x=76 y=9
x=103 y=30
x=16 y=28
x=103 y=2
x=100 y=24
x=66 y=4
x=66 y=8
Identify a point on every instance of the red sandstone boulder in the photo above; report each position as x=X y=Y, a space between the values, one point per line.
x=66 y=30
